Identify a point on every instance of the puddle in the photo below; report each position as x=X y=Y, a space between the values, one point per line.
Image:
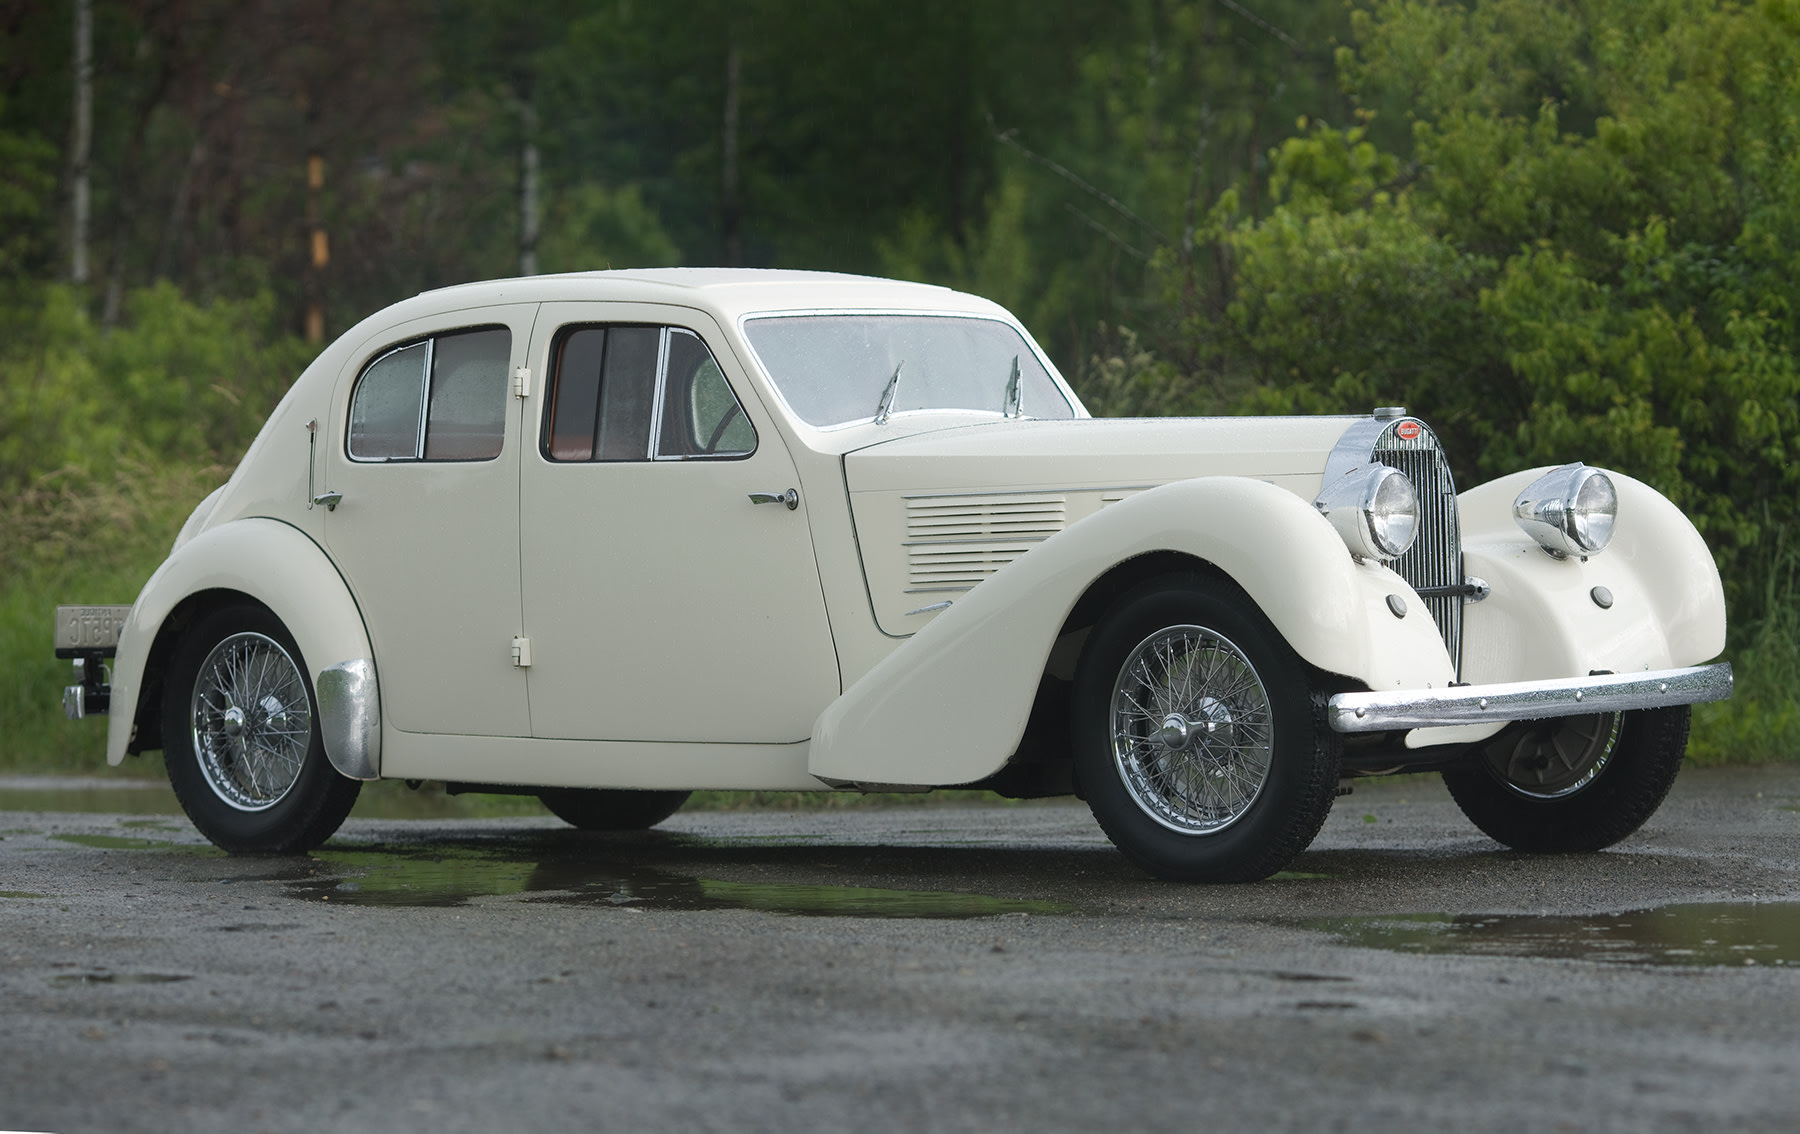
x=1700 y=934
x=68 y=980
x=126 y=842
x=443 y=875
x=157 y=800
x=450 y=876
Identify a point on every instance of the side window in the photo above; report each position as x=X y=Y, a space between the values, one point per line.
x=441 y=399
x=700 y=415
x=635 y=393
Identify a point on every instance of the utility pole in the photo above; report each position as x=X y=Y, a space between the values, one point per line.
x=319 y=245
x=82 y=144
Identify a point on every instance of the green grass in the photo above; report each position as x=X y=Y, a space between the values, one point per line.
x=1760 y=724
x=66 y=540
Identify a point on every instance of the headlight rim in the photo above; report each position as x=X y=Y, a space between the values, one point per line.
x=1349 y=504
x=1549 y=511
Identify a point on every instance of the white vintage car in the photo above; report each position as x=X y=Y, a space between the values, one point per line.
x=613 y=536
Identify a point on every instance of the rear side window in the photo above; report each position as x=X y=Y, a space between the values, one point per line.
x=623 y=392
x=438 y=399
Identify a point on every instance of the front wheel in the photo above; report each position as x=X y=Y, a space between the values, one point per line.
x=1197 y=742
x=1573 y=784
x=241 y=737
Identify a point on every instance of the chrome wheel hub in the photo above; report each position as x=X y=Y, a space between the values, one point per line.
x=251 y=721
x=1192 y=730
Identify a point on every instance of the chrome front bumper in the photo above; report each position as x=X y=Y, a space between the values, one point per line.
x=1528 y=700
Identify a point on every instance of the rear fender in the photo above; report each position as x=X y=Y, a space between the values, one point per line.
x=280 y=567
x=949 y=705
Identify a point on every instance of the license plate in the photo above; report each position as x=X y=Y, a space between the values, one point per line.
x=89 y=629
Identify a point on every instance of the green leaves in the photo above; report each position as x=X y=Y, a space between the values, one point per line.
x=178 y=382
x=1585 y=265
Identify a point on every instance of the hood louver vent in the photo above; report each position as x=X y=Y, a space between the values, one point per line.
x=954 y=542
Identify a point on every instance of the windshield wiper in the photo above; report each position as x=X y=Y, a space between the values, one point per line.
x=887 y=396
x=1015 y=403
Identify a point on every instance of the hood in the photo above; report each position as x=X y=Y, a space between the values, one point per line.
x=936 y=513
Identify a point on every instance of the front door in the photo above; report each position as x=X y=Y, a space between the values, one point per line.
x=661 y=604
x=424 y=451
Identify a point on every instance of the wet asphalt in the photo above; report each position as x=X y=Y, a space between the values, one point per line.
x=925 y=967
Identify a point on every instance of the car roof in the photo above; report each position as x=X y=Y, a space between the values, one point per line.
x=727 y=292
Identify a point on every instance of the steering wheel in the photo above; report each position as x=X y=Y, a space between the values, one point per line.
x=719 y=430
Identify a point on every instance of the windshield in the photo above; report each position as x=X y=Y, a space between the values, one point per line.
x=834 y=369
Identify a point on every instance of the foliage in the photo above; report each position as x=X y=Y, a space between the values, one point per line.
x=1575 y=259
x=1558 y=231
x=591 y=227
x=25 y=189
x=179 y=382
x=71 y=537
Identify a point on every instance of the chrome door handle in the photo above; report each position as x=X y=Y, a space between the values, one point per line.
x=791 y=498
x=329 y=499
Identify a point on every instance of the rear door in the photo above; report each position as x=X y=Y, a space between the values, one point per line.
x=424 y=450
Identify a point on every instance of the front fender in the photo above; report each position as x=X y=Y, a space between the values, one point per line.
x=950 y=704
x=1543 y=618
x=282 y=568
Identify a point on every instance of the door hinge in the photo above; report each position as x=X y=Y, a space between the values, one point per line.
x=522 y=382
x=522 y=652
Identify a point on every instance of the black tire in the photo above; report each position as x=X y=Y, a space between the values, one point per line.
x=1591 y=805
x=598 y=809
x=253 y=777
x=1157 y=796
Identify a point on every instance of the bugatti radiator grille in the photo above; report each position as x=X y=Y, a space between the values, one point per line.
x=1434 y=562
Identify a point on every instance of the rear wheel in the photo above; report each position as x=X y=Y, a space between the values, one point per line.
x=597 y=809
x=241 y=737
x=1198 y=745
x=1573 y=784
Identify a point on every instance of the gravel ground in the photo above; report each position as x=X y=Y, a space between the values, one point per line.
x=927 y=967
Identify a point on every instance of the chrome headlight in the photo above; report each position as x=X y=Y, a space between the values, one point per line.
x=1375 y=509
x=1569 y=511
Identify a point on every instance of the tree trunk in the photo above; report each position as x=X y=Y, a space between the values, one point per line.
x=82 y=143
x=730 y=212
x=528 y=188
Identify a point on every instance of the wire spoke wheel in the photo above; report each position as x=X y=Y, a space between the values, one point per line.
x=1575 y=784
x=1192 y=729
x=241 y=738
x=251 y=721
x=1557 y=759
x=1198 y=744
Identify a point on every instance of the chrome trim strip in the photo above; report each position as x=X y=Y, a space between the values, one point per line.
x=425 y=398
x=945 y=605
x=653 y=445
x=1528 y=700
x=350 y=718
x=1030 y=492
x=987 y=542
